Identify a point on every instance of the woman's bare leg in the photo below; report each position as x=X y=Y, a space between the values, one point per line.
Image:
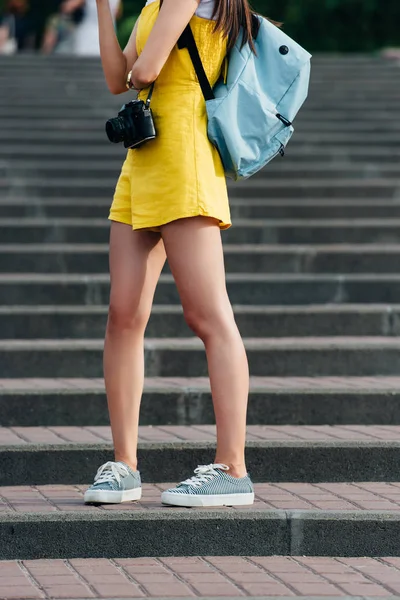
x=195 y=255
x=136 y=261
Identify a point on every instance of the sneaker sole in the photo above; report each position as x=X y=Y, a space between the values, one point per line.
x=111 y=497
x=191 y=500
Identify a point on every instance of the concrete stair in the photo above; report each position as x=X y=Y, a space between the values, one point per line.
x=310 y=525
x=170 y=357
x=313 y=272
x=75 y=322
x=306 y=454
x=187 y=401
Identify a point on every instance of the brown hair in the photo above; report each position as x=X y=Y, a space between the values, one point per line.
x=232 y=16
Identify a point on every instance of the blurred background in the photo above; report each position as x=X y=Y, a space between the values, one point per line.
x=68 y=26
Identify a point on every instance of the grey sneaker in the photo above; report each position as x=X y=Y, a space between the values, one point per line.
x=211 y=486
x=115 y=482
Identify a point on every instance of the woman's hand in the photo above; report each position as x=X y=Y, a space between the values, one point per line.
x=113 y=59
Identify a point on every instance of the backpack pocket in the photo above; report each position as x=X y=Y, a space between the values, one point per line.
x=246 y=141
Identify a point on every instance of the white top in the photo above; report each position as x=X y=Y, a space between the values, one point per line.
x=86 y=35
x=204 y=11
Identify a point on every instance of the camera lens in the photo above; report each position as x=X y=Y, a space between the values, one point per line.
x=115 y=129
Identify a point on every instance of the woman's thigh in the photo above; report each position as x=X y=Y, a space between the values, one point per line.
x=195 y=255
x=136 y=261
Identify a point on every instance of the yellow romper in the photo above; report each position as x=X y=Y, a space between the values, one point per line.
x=179 y=174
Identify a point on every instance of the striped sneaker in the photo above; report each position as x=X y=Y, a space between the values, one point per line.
x=115 y=482
x=211 y=486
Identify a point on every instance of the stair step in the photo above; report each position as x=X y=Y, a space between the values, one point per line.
x=77 y=322
x=95 y=123
x=92 y=94
x=283 y=188
x=239 y=258
x=255 y=289
x=275 y=170
x=241 y=208
x=305 y=152
x=175 y=357
x=312 y=232
x=180 y=401
x=50 y=136
x=35 y=519
x=68 y=455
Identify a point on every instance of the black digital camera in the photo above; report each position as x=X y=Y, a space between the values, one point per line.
x=134 y=125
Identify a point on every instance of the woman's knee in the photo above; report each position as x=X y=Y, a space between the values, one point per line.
x=125 y=316
x=218 y=321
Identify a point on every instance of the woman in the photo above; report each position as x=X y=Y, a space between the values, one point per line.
x=171 y=202
x=86 y=39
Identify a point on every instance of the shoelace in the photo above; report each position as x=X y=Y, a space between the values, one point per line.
x=204 y=474
x=110 y=472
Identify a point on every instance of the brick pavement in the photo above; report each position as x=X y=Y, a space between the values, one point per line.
x=269 y=496
x=202 y=433
x=200 y=576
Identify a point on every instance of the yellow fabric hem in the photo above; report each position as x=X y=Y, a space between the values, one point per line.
x=117 y=219
x=222 y=224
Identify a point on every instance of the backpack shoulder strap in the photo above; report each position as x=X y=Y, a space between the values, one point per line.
x=187 y=41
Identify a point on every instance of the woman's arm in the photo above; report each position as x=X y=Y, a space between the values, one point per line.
x=4 y=35
x=172 y=20
x=115 y=62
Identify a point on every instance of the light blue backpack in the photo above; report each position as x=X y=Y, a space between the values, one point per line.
x=250 y=116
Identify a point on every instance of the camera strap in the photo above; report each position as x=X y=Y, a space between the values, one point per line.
x=150 y=95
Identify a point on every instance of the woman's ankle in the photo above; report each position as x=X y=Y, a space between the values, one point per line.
x=129 y=462
x=237 y=470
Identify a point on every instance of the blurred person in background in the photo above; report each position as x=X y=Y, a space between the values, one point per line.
x=86 y=42
x=61 y=25
x=14 y=26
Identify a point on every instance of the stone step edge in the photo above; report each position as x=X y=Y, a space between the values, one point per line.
x=163 y=385
x=99 y=222
x=235 y=201
x=177 y=445
x=165 y=401
x=256 y=309
x=101 y=184
x=269 y=461
x=284 y=533
x=90 y=278
x=63 y=248
x=194 y=344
